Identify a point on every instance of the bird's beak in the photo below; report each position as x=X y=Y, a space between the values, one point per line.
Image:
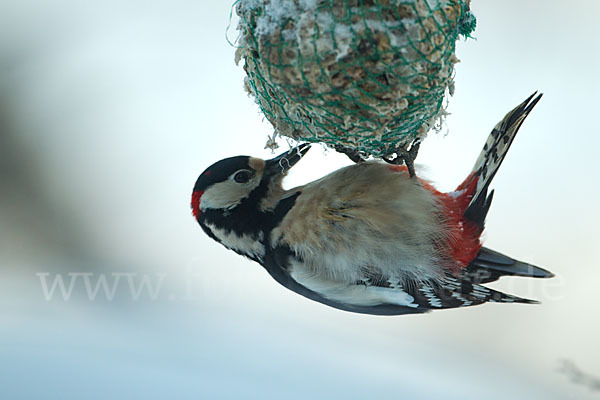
x=281 y=164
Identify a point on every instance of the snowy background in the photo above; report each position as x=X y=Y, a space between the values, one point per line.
x=109 y=111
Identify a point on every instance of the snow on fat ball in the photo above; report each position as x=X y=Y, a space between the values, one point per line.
x=367 y=75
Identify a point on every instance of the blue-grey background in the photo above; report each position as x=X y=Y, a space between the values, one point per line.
x=108 y=112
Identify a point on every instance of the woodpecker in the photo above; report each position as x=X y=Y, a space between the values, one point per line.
x=367 y=238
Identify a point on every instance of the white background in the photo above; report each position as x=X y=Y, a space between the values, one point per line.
x=109 y=111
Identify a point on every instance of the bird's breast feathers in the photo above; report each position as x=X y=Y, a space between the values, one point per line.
x=362 y=219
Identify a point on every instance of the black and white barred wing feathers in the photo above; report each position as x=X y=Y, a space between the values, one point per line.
x=378 y=295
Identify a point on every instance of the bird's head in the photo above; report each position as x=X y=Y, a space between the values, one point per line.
x=233 y=193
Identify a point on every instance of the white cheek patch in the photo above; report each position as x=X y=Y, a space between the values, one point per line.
x=227 y=194
x=246 y=244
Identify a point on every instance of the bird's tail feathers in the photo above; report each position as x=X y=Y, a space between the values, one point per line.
x=489 y=266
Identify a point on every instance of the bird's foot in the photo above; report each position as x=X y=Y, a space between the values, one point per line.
x=406 y=156
x=355 y=155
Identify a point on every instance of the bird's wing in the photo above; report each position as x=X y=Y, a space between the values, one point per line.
x=287 y=269
x=383 y=296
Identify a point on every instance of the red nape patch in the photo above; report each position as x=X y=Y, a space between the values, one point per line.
x=464 y=244
x=207 y=172
x=398 y=168
x=196 y=203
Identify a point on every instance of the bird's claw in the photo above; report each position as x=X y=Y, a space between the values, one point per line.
x=406 y=156
x=354 y=155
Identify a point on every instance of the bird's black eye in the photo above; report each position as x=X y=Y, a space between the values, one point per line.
x=242 y=176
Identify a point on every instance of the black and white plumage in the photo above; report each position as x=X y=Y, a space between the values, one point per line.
x=366 y=238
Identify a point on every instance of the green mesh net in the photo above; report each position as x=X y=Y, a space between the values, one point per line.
x=364 y=75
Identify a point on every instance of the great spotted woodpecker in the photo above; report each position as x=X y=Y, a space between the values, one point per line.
x=366 y=238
